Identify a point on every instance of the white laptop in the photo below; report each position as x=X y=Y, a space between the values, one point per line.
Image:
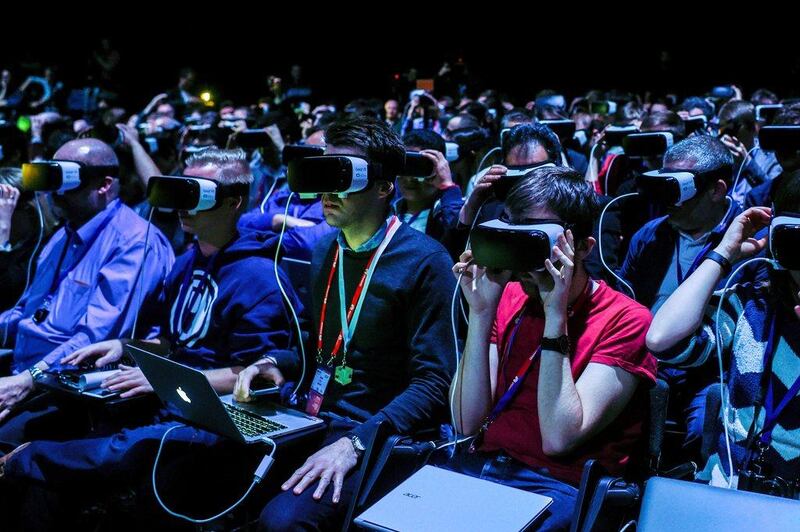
x=435 y=499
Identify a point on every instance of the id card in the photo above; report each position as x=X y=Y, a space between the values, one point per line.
x=317 y=392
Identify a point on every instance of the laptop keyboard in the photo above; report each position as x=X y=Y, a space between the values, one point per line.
x=250 y=424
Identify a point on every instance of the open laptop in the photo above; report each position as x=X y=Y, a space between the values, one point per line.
x=188 y=393
x=670 y=504
x=441 y=500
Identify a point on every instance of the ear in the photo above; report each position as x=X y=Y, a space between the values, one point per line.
x=235 y=203
x=105 y=185
x=583 y=247
x=719 y=190
x=385 y=189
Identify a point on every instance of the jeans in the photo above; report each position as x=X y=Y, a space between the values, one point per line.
x=501 y=468
x=288 y=511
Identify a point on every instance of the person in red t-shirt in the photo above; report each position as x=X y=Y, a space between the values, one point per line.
x=577 y=400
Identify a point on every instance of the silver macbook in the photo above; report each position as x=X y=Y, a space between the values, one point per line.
x=187 y=392
x=435 y=499
x=670 y=504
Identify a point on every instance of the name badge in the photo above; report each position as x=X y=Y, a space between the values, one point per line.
x=317 y=393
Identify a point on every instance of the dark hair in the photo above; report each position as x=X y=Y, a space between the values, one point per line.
x=516 y=115
x=789 y=116
x=762 y=96
x=523 y=135
x=560 y=189
x=696 y=102
x=374 y=138
x=425 y=139
x=709 y=154
x=664 y=121
x=737 y=114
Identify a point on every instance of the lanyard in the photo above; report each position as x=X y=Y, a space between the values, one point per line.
x=714 y=238
x=771 y=411
x=349 y=316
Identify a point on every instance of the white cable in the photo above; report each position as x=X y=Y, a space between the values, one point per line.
x=288 y=301
x=600 y=242
x=256 y=479
x=725 y=399
x=608 y=173
x=469 y=235
x=36 y=200
x=139 y=277
x=268 y=195
x=741 y=167
x=488 y=153
x=458 y=358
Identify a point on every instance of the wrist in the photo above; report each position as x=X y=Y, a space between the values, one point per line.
x=727 y=254
x=554 y=326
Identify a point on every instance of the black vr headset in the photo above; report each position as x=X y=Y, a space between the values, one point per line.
x=501 y=245
x=674 y=187
x=61 y=176
x=417 y=166
x=784 y=240
x=331 y=174
x=615 y=135
x=293 y=152
x=192 y=194
x=695 y=123
x=503 y=186
x=766 y=113
x=564 y=129
x=470 y=138
x=779 y=138
x=652 y=144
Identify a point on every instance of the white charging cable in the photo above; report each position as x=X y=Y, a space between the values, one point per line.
x=600 y=242
x=747 y=158
x=139 y=276
x=258 y=475
x=288 y=301
x=724 y=396
x=268 y=195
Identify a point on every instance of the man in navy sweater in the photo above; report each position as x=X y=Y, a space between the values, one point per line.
x=397 y=365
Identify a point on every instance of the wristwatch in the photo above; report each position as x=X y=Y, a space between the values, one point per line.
x=357 y=445
x=559 y=345
x=36 y=373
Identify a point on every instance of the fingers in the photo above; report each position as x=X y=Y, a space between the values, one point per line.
x=324 y=481
x=296 y=476
x=108 y=358
x=139 y=390
x=306 y=481
x=241 y=391
x=274 y=374
x=338 y=481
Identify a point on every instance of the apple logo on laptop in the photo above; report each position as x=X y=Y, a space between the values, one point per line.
x=183 y=395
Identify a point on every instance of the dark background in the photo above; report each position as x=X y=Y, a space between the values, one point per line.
x=342 y=65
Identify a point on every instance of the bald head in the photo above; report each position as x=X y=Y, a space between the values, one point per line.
x=91 y=152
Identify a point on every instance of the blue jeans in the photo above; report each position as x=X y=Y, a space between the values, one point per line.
x=288 y=511
x=501 y=468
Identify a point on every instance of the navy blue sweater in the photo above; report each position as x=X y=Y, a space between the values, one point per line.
x=402 y=352
x=226 y=310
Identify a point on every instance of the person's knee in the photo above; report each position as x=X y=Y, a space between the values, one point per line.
x=280 y=515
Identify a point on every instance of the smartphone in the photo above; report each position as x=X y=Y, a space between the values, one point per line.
x=269 y=390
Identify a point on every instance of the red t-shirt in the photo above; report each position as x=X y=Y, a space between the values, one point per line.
x=606 y=328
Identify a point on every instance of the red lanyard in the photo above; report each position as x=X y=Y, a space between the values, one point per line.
x=351 y=309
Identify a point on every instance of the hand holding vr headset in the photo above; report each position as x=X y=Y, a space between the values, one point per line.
x=739 y=241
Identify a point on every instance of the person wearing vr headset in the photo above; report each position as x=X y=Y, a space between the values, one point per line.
x=553 y=362
x=219 y=310
x=758 y=334
x=431 y=204
x=665 y=251
x=90 y=279
x=388 y=356
x=738 y=131
x=787 y=154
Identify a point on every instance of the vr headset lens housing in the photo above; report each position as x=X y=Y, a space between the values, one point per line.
x=667 y=187
x=417 y=166
x=292 y=152
x=330 y=174
x=784 y=241
x=779 y=138
x=503 y=186
x=53 y=176
x=654 y=144
x=191 y=194
x=500 y=245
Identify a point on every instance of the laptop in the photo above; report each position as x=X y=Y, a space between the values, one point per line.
x=442 y=500
x=187 y=392
x=670 y=504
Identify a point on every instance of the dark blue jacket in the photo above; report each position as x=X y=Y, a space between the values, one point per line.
x=226 y=310
x=650 y=254
x=443 y=219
